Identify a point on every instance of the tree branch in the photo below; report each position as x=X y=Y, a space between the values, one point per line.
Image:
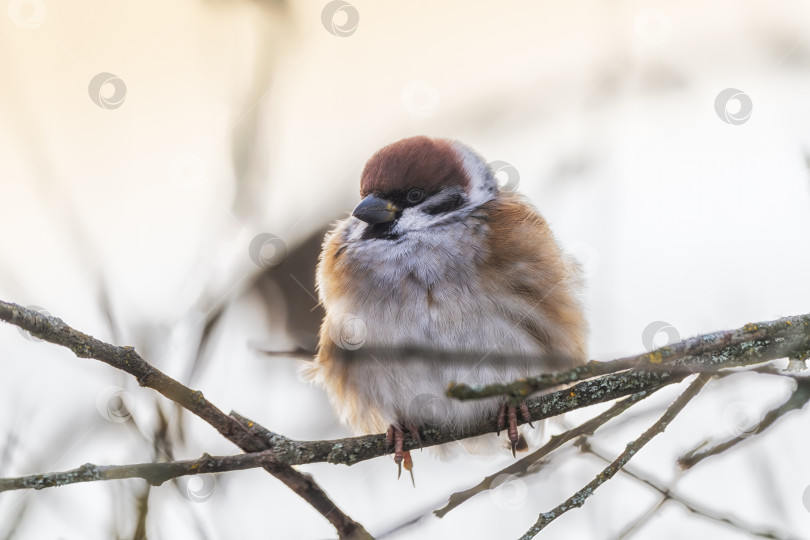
x=521 y=467
x=274 y=449
x=579 y=498
x=54 y=330
x=154 y=473
x=636 y=376
x=797 y=400
x=670 y=495
x=693 y=352
x=284 y=451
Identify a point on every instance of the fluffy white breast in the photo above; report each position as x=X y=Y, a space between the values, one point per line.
x=421 y=290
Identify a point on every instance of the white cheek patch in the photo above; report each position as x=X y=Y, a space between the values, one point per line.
x=413 y=219
x=483 y=186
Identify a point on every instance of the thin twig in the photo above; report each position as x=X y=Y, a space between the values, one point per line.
x=797 y=400
x=579 y=498
x=635 y=525
x=522 y=466
x=693 y=507
x=154 y=473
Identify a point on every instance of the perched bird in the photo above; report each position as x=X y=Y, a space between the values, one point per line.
x=436 y=257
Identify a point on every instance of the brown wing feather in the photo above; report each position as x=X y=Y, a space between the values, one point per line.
x=536 y=282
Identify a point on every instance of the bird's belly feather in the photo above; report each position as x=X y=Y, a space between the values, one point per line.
x=402 y=389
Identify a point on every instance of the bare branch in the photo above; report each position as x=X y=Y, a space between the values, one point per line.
x=154 y=473
x=284 y=451
x=579 y=498
x=797 y=400
x=753 y=344
x=693 y=507
x=521 y=467
x=55 y=330
x=662 y=358
x=636 y=524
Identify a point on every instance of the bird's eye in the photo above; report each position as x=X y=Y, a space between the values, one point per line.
x=415 y=195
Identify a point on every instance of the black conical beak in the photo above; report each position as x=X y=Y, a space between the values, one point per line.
x=375 y=209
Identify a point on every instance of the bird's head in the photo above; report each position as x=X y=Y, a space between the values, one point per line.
x=418 y=183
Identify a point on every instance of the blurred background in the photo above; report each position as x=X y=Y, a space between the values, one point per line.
x=167 y=171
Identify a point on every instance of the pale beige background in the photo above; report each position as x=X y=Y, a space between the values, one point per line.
x=242 y=117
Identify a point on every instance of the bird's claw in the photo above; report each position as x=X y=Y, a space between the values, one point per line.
x=395 y=440
x=524 y=412
x=509 y=412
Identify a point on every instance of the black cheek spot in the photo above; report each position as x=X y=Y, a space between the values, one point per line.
x=340 y=250
x=380 y=231
x=447 y=205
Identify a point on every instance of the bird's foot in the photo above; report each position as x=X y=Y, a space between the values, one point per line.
x=509 y=412
x=394 y=440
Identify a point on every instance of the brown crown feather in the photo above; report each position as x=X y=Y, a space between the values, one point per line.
x=416 y=162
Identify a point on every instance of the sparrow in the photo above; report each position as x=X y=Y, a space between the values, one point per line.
x=436 y=257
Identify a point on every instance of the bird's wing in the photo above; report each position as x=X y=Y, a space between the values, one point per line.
x=533 y=281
